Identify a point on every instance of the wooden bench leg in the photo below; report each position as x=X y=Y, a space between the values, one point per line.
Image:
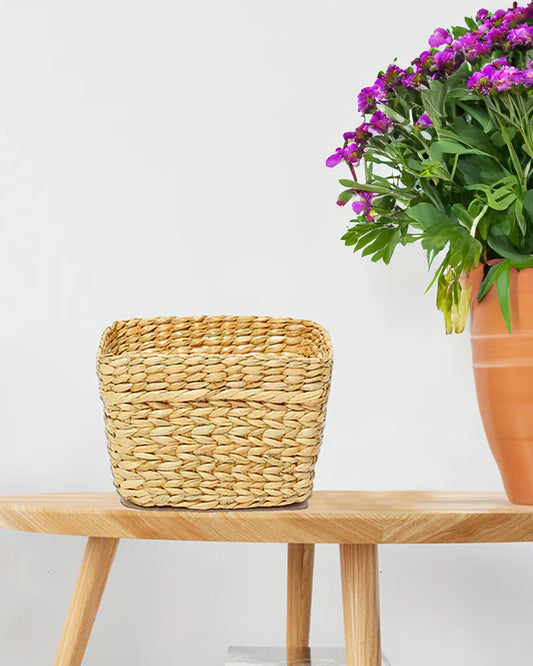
x=301 y=558
x=360 y=596
x=97 y=561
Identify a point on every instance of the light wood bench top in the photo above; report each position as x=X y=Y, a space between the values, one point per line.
x=355 y=517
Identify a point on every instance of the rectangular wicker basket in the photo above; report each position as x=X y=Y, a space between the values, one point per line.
x=214 y=412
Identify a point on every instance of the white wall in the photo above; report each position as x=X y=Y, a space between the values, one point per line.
x=167 y=157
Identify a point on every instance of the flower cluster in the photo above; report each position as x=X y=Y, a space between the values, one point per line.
x=503 y=31
x=355 y=142
x=499 y=76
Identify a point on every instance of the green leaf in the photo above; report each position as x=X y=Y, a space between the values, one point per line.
x=528 y=203
x=426 y=215
x=433 y=102
x=519 y=212
x=379 y=255
x=458 y=31
x=378 y=244
x=434 y=169
x=354 y=235
x=369 y=157
x=346 y=195
x=500 y=203
x=458 y=92
x=377 y=189
x=472 y=136
x=475 y=207
x=527 y=149
x=349 y=238
x=438 y=148
x=380 y=180
x=501 y=244
x=476 y=169
x=348 y=183
x=499 y=140
x=383 y=204
x=500 y=195
x=482 y=117
x=394 y=115
x=463 y=215
x=368 y=238
x=391 y=245
x=489 y=279
x=465 y=251
x=502 y=288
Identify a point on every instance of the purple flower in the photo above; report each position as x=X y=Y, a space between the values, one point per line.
x=498 y=76
x=479 y=82
x=410 y=80
x=362 y=131
x=424 y=121
x=335 y=159
x=421 y=64
x=518 y=14
x=488 y=71
x=482 y=15
x=473 y=45
x=440 y=37
x=505 y=78
x=370 y=96
x=527 y=78
x=499 y=62
x=350 y=151
x=483 y=80
x=366 y=99
x=520 y=36
x=360 y=134
x=364 y=205
x=391 y=76
x=497 y=37
x=380 y=123
x=424 y=57
x=443 y=58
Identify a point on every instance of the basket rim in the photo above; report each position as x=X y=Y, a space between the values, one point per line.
x=325 y=355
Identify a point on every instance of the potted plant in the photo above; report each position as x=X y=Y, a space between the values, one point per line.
x=444 y=157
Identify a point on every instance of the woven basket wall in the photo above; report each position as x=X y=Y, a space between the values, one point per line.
x=214 y=412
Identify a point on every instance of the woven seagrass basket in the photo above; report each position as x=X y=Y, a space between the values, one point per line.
x=214 y=412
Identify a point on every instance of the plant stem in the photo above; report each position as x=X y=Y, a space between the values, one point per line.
x=477 y=220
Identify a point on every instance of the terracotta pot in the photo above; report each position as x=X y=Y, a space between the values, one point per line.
x=503 y=371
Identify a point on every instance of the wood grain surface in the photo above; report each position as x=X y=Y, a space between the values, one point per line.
x=300 y=564
x=92 y=578
x=360 y=601
x=331 y=517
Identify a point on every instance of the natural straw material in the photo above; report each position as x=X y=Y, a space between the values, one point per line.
x=214 y=412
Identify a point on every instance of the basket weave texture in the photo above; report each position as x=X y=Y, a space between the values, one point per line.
x=214 y=412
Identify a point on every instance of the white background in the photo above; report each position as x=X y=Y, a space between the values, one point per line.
x=167 y=157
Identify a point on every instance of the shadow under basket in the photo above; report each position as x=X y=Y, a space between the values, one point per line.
x=214 y=412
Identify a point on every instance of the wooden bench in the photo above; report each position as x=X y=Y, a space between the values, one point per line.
x=357 y=521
